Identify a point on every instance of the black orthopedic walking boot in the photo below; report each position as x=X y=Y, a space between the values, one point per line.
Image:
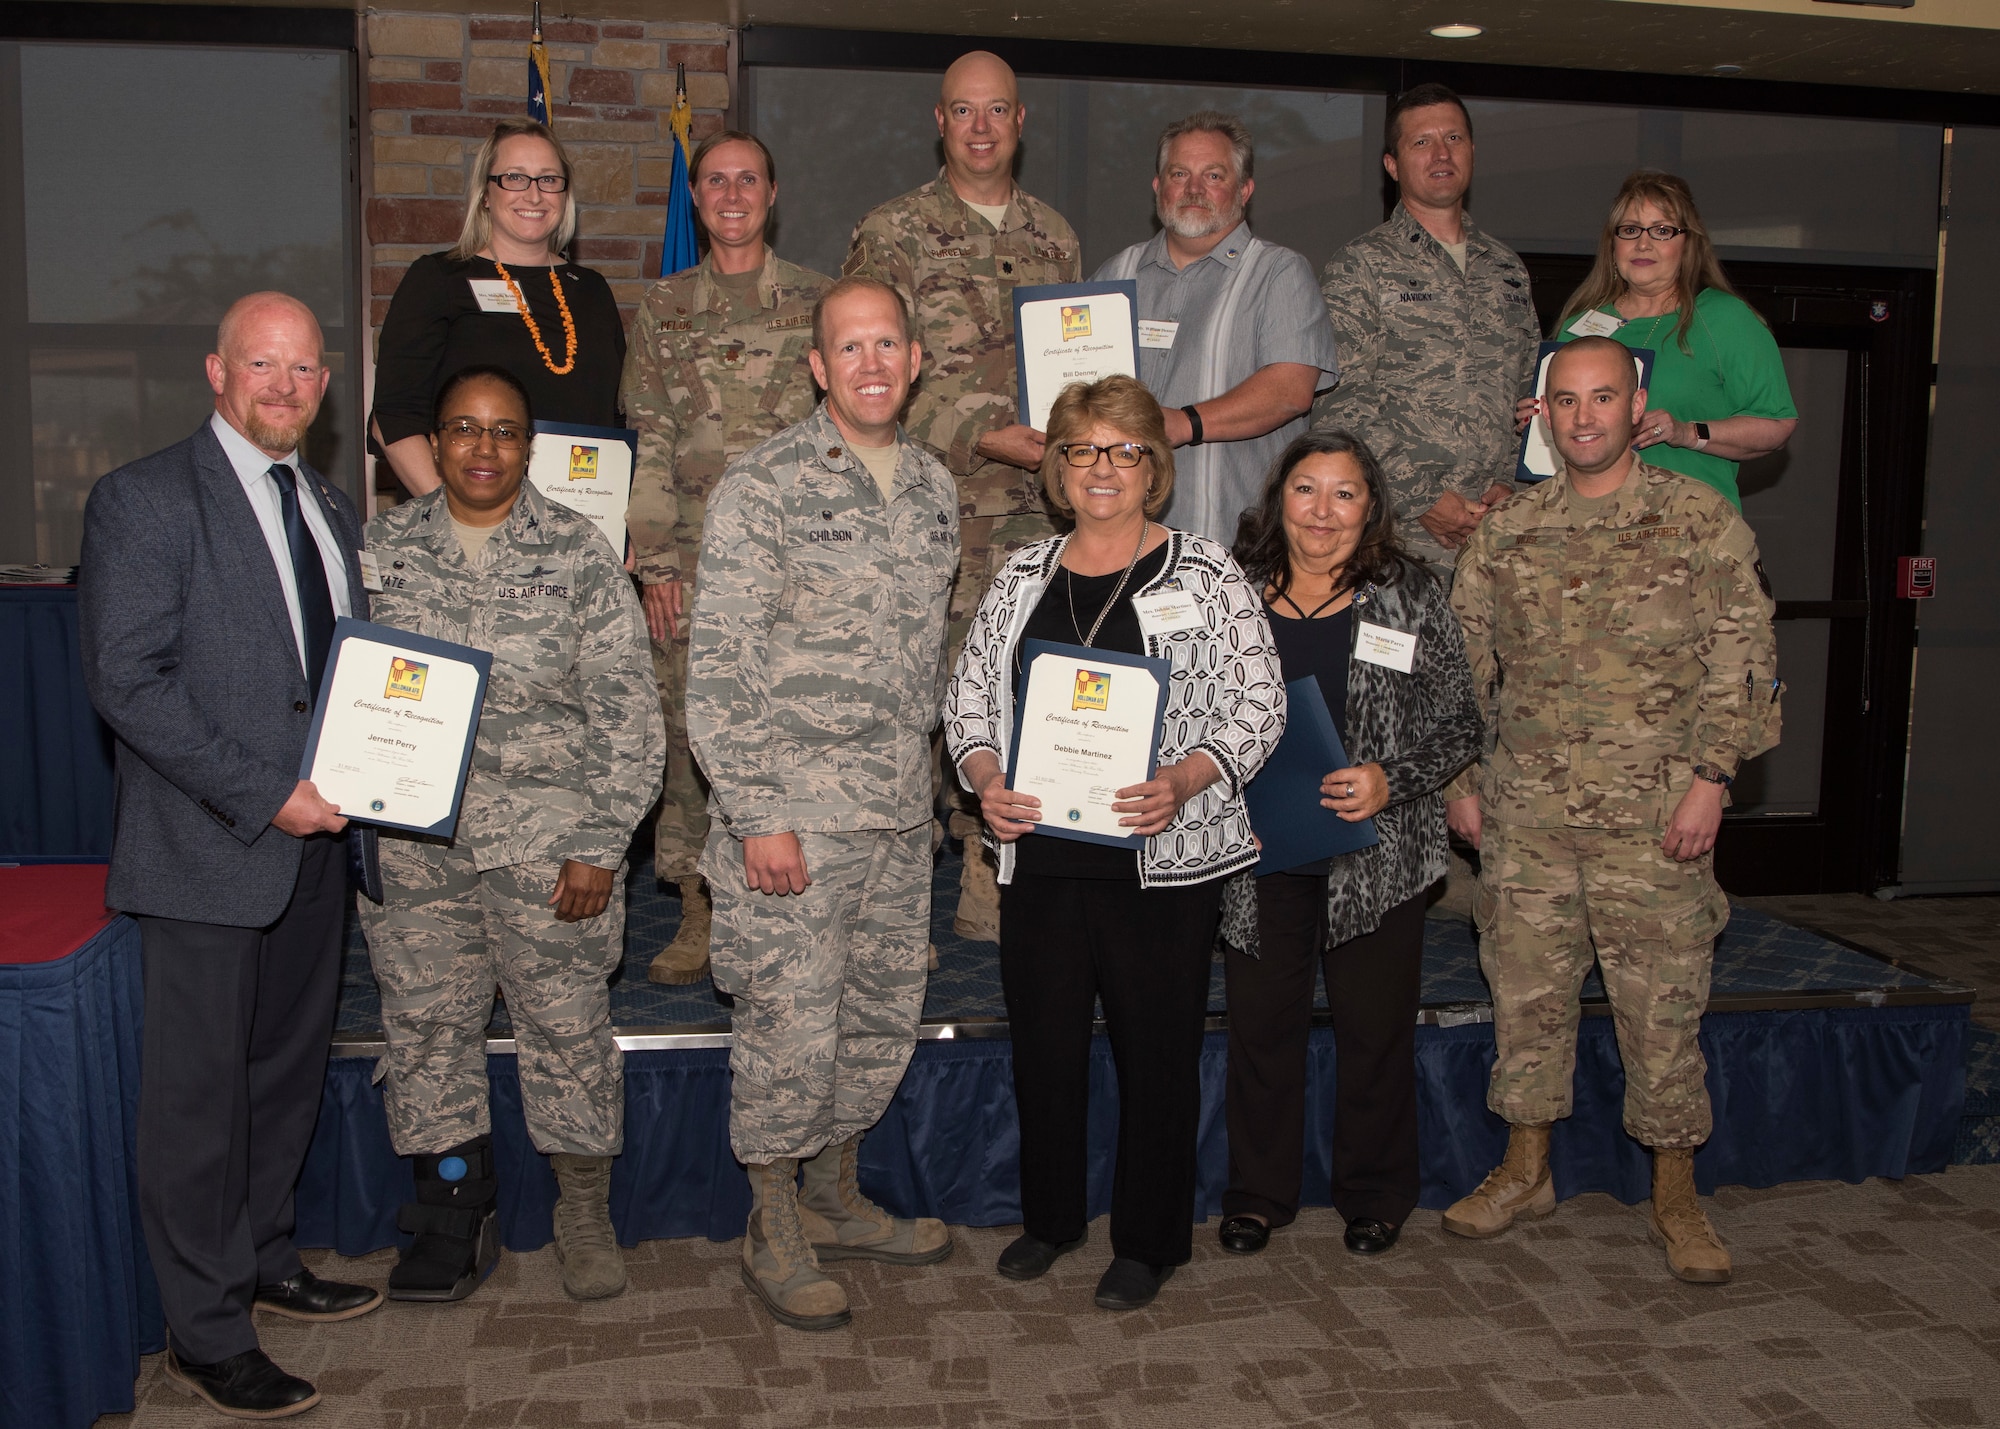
x=455 y=1220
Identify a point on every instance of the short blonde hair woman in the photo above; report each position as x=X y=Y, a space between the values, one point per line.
x=502 y=295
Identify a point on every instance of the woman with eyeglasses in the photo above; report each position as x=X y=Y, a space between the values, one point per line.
x=528 y=892
x=1718 y=395
x=1080 y=922
x=502 y=295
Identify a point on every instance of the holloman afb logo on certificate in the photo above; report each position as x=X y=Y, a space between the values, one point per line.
x=1093 y=691
x=406 y=679
x=582 y=463
x=1075 y=320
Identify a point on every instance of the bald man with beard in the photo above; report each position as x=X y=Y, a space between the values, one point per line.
x=956 y=249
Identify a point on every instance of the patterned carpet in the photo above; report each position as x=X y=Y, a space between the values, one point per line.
x=1853 y=1306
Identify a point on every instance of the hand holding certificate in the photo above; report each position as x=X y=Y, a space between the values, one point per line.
x=1087 y=726
x=392 y=737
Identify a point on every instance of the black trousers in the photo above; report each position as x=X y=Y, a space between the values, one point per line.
x=238 y=1021
x=1064 y=944
x=1372 y=986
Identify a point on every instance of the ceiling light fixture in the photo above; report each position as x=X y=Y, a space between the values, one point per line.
x=1725 y=70
x=1457 y=32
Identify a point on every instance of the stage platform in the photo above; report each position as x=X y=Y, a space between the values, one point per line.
x=1825 y=1062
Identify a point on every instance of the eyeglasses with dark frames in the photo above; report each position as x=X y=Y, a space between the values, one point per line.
x=1084 y=454
x=1661 y=232
x=516 y=182
x=463 y=433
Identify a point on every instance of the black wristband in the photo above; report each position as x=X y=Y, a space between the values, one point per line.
x=1194 y=420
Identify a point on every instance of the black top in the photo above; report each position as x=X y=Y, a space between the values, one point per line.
x=1320 y=649
x=1052 y=620
x=435 y=328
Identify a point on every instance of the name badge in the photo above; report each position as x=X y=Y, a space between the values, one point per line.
x=371 y=570
x=1392 y=649
x=1154 y=333
x=493 y=296
x=1595 y=324
x=1167 y=611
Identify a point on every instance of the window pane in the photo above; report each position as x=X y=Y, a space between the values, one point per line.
x=164 y=182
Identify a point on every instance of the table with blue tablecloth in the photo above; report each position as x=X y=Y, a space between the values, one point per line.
x=79 y=1305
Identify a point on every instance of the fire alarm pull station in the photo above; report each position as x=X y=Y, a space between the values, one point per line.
x=1916 y=577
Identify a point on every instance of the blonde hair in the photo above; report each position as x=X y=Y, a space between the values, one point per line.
x=1699 y=269
x=1121 y=402
x=477 y=230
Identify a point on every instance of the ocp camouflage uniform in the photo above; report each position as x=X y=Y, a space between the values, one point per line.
x=1613 y=652
x=815 y=676
x=959 y=274
x=1432 y=361
x=566 y=762
x=703 y=384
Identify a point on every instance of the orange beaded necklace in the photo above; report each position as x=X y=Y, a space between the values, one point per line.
x=535 y=332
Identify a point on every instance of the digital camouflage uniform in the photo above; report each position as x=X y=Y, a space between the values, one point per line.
x=1613 y=652
x=1432 y=361
x=703 y=384
x=959 y=275
x=566 y=763
x=815 y=676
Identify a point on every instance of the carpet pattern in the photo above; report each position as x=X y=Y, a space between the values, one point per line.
x=1862 y=1306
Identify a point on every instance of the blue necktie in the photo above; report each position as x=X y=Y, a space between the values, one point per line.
x=308 y=575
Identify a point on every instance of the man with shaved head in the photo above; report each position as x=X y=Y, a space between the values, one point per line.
x=956 y=249
x=212 y=574
x=1619 y=630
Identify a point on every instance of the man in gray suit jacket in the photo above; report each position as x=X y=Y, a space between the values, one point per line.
x=212 y=574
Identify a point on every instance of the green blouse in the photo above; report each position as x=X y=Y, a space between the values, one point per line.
x=1731 y=368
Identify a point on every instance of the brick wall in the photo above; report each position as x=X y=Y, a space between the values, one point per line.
x=436 y=83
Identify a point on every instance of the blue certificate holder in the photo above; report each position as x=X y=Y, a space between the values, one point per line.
x=393 y=724
x=1109 y=661
x=1537 y=459
x=1283 y=800
x=1071 y=332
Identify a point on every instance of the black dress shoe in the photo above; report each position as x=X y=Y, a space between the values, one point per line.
x=1368 y=1236
x=1243 y=1235
x=1029 y=1257
x=306 y=1297
x=245 y=1386
x=1130 y=1284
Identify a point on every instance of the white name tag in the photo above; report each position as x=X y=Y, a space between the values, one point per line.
x=1153 y=333
x=1167 y=611
x=371 y=570
x=494 y=296
x=1595 y=324
x=1392 y=649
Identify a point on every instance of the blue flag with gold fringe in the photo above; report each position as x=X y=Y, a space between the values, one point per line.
x=538 y=73
x=678 y=249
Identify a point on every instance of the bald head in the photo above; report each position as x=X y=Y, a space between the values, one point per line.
x=257 y=309
x=1594 y=402
x=268 y=371
x=981 y=69
x=1604 y=360
x=979 y=118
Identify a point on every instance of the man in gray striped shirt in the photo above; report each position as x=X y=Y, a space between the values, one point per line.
x=1234 y=338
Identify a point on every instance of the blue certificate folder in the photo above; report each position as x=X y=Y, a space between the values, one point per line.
x=347 y=628
x=1080 y=326
x=1283 y=800
x=1161 y=670
x=1535 y=453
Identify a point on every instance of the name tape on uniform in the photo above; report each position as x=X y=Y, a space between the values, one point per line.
x=1392 y=649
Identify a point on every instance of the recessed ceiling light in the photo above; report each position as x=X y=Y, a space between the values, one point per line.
x=1457 y=32
x=1728 y=69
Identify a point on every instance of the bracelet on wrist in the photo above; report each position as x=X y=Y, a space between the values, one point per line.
x=1194 y=422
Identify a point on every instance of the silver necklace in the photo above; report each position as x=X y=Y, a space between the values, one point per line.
x=1069 y=589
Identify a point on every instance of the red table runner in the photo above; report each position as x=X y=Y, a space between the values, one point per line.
x=49 y=910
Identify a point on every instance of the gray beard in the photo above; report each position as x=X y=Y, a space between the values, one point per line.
x=1191 y=225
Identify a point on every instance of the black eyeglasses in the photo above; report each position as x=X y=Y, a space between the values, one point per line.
x=465 y=434
x=1125 y=454
x=515 y=182
x=1661 y=232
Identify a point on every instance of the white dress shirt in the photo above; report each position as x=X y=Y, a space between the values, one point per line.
x=253 y=469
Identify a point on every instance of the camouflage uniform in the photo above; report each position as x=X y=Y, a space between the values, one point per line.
x=815 y=676
x=1613 y=650
x=959 y=275
x=1432 y=361
x=703 y=384
x=566 y=763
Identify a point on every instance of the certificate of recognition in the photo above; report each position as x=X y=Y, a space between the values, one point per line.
x=1538 y=460
x=1072 y=332
x=1086 y=724
x=589 y=470
x=392 y=736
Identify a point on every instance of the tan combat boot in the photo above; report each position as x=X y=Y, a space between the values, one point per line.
x=778 y=1265
x=1519 y=1188
x=843 y=1224
x=978 y=916
x=592 y=1265
x=685 y=959
x=1695 y=1252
